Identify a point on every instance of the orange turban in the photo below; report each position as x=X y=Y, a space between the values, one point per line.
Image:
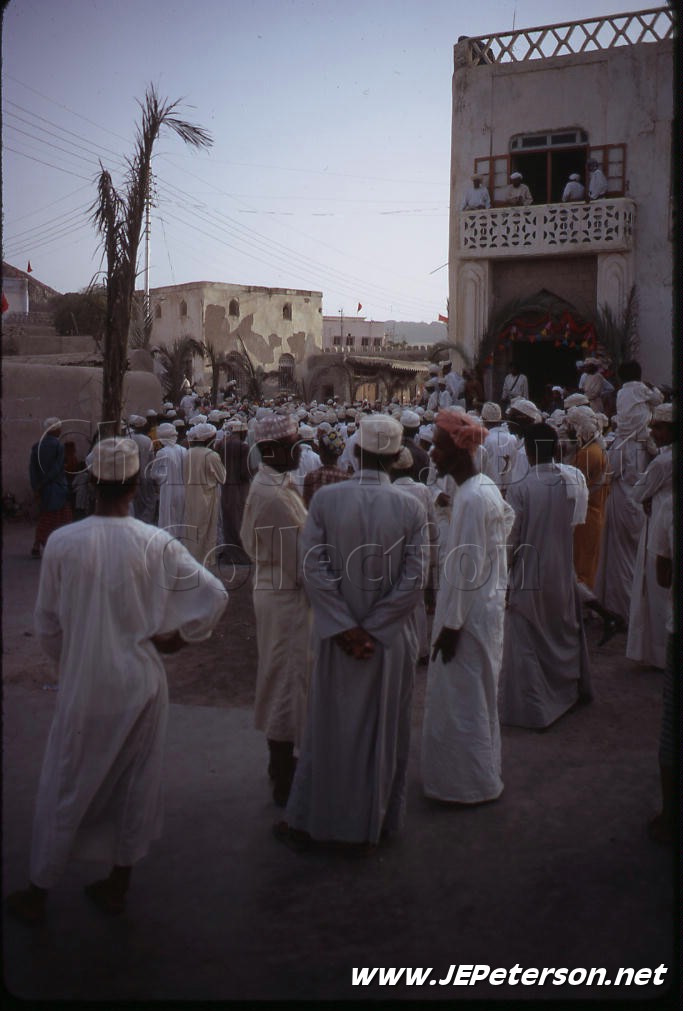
x=466 y=432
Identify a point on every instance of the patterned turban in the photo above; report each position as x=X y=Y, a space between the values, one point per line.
x=276 y=428
x=464 y=431
x=332 y=440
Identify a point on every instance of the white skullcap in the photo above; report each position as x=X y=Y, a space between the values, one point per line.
x=351 y=428
x=151 y=413
x=137 y=421
x=214 y=416
x=405 y=460
x=526 y=407
x=409 y=419
x=198 y=419
x=434 y=370
x=167 y=405
x=575 y=177
x=276 y=428
x=664 y=412
x=380 y=434
x=51 y=423
x=171 y=414
x=491 y=412
x=516 y=175
x=237 y=426
x=201 y=432
x=115 y=459
x=425 y=434
x=576 y=400
x=557 y=389
x=306 y=432
x=179 y=423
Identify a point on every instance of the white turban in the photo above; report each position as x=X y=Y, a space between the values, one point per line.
x=584 y=421
x=51 y=423
x=201 y=432
x=409 y=419
x=526 y=407
x=276 y=428
x=167 y=434
x=380 y=434
x=490 y=411
x=115 y=459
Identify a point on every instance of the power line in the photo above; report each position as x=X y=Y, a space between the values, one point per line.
x=48 y=163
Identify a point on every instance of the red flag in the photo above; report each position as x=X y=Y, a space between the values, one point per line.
x=29 y=269
x=359 y=307
x=5 y=303
x=443 y=319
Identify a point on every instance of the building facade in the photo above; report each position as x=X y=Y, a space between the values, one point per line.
x=544 y=102
x=353 y=334
x=276 y=327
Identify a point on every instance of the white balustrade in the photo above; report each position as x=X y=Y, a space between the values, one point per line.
x=546 y=229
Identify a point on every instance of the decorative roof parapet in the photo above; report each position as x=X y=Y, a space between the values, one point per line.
x=569 y=38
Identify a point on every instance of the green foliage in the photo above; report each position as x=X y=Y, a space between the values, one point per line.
x=81 y=312
x=618 y=338
x=174 y=361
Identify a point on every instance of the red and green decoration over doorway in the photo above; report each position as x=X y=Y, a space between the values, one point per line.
x=564 y=330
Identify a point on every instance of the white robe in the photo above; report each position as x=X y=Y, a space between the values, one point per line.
x=545 y=660
x=273 y=518
x=203 y=473
x=461 y=757
x=364 y=555
x=624 y=519
x=423 y=494
x=647 y=632
x=501 y=448
x=167 y=472
x=107 y=585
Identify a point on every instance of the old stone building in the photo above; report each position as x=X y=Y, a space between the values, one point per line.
x=533 y=283
x=276 y=327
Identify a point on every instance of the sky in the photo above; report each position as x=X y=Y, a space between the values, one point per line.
x=329 y=169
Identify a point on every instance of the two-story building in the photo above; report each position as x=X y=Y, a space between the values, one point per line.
x=537 y=284
x=353 y=334
x=276 y=327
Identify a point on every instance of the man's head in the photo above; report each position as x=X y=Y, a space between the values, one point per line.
x=630 y=372
x=202 y=434
x=540 y=443
x=592 y=165
x=379 y=441
x=456 y=438
x=516 y=178
x=52 y=426
x=331 y=445
x=114 y=469
x=476 y=181
x=662 y=426
x=277 y=437
x=410 y=421
x=491 y=414
x=523 y=413
x=403 y=465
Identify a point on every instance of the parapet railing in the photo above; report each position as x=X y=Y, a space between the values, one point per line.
x=572 y=37
x=546 y=229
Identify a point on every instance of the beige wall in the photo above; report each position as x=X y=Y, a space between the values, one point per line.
x=32 y=393
x=572 y=278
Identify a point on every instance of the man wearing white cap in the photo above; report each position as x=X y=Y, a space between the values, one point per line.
x=167 y=472
x=49 y=483
x=144 y=504
x=500 y=447
x=365 y=565
x=274 y=516
x=419 y=470
x=574 y=190
x=517 y=193
x=476 y=197
x=515 y=385
x=235 y=455
x=203 y=475
x=545 y=669
x=309 y=460
x=113 y=594
x=647 y=632
x=597 y=181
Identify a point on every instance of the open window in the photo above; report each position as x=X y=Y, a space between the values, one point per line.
x=233 y=307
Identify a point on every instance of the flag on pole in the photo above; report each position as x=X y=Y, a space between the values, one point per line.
x=29 y=269
x=5 y=303
x=443 y=319
x=359 y=307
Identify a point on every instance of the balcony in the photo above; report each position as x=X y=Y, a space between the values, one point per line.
x=605 y=226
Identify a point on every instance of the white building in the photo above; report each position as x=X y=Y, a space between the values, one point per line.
x=353 y=334
x=276 y=327
x=543 y=101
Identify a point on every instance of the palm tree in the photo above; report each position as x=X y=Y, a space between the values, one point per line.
x=118 y=218
x=218 y=361
x=174 y=361
x=618 y=338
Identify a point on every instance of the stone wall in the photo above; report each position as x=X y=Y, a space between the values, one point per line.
x=32 y=393
x=572 y=278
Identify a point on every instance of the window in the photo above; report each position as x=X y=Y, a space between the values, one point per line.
x=377 y=342
x=337 y=341
x=234 y=307
x=365 y=342
x=157 y=311
x=350 y=341
x=183 y=308
x=287 y=310
x=285 y=368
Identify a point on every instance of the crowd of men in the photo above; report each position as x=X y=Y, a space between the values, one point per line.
x=518 y=194
x=475 y=537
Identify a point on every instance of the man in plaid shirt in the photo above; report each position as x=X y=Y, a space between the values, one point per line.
x=330 y=447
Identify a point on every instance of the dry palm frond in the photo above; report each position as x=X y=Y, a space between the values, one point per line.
x=118 y=219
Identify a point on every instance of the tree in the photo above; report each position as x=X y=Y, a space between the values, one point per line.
x=81 y=312
x=174 y=362
x=118 y=218
x=618 y=337
x=218 y=362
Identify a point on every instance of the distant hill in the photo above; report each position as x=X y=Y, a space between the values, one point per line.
x=415 y=333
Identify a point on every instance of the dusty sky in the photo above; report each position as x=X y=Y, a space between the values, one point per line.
x=331 y=126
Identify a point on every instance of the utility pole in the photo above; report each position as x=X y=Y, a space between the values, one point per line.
x=148 y=231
